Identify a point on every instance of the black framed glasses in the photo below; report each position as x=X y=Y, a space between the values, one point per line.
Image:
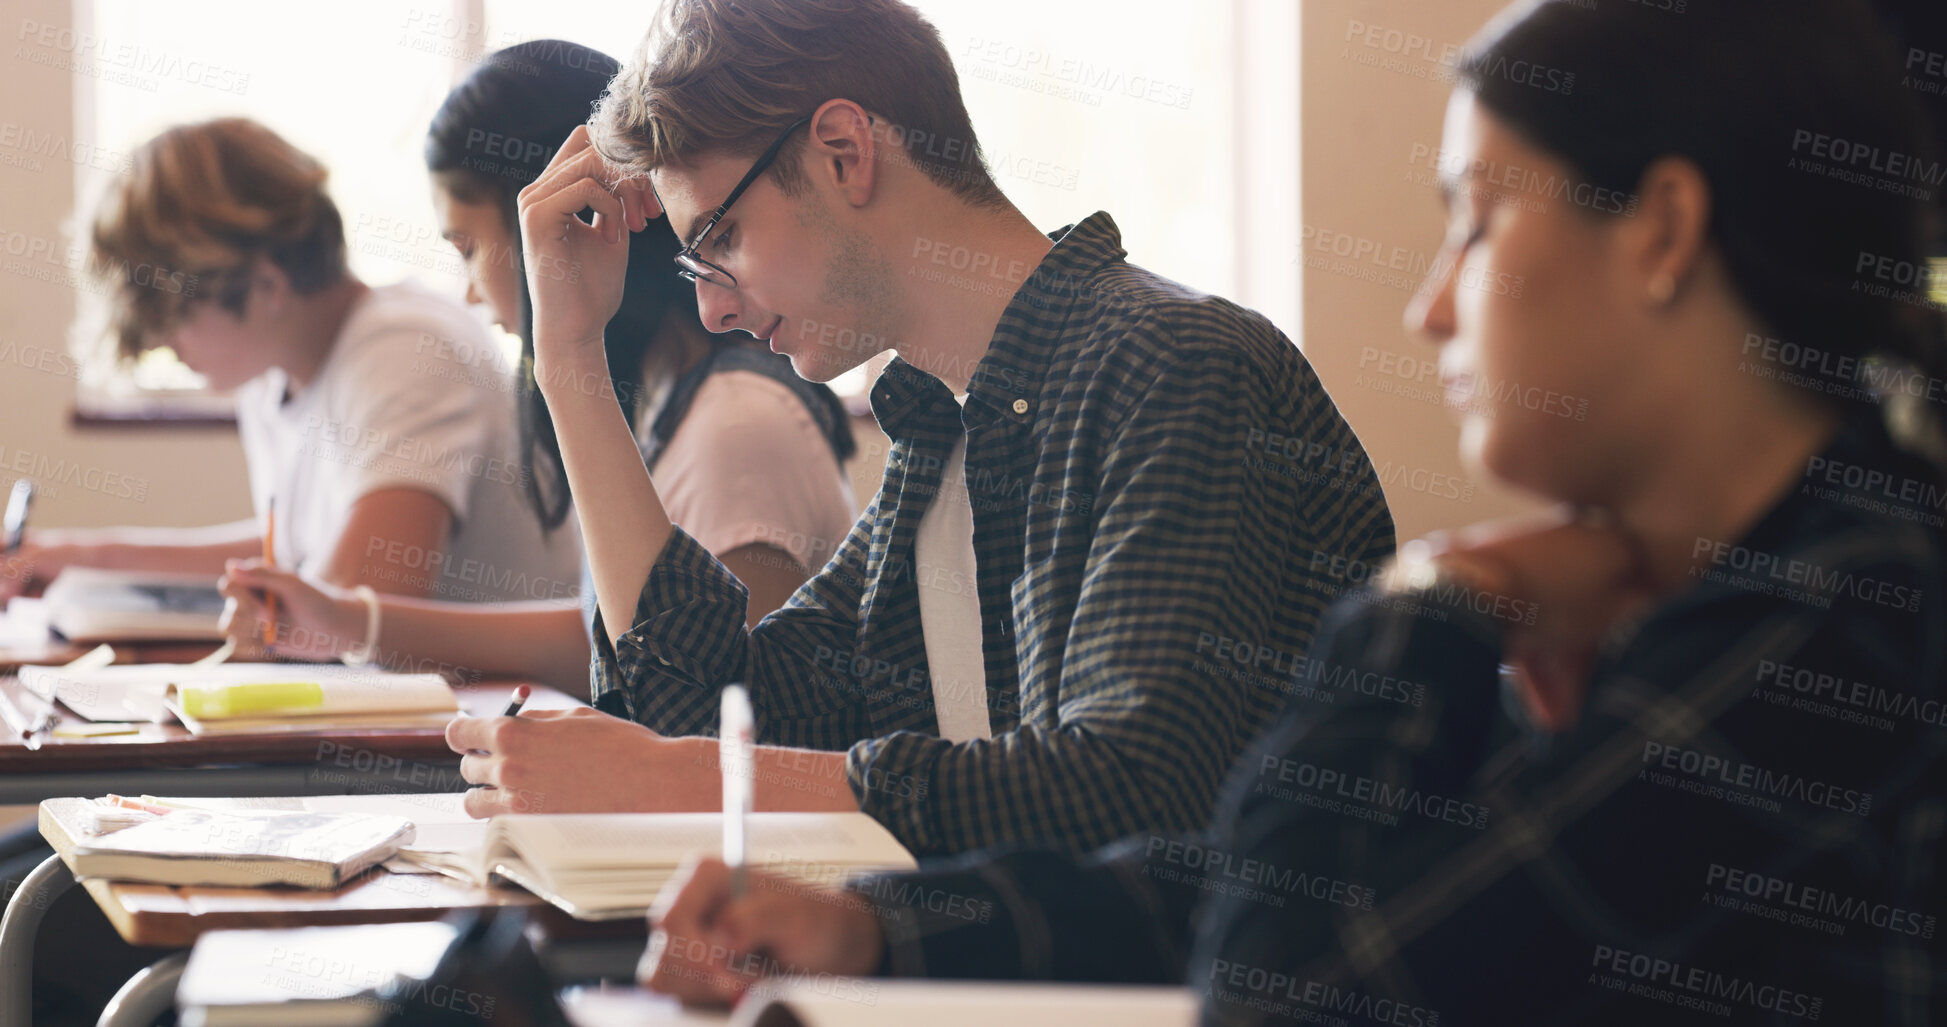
x=689 y=263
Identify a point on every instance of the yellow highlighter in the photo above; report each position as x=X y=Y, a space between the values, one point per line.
x=249 y=698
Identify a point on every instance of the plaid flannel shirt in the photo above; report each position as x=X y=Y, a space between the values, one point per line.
x=1159 y=484
x=1744 y=826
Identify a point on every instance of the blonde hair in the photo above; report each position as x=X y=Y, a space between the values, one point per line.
x=726 y=76
x=201 y=205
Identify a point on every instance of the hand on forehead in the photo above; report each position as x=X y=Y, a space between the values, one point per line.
x=693 y=190
x=690 y=194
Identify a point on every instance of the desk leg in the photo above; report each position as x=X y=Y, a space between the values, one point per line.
x=18 y=928
x=147 y=995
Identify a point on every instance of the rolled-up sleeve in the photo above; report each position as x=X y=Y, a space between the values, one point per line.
x=689 y=639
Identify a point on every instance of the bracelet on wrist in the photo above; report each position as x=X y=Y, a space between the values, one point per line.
x=361 y=654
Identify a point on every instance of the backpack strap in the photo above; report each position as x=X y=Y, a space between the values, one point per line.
x=825 y=411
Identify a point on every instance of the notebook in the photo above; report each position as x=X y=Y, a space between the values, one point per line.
x=268 y=697
x=311 y=976
x=317 y=976
x=821 y=1000
x=610 y=866
x=244 y=848
x=291 y=697
x=91 y=604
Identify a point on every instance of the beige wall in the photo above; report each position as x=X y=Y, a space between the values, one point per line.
x=90 y=477
x=1365 y=109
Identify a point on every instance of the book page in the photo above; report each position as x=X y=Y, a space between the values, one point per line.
x=595 y=840
x=220 y=836
x=441 y=828
x=108 y=589
x=307 y=964
x=24 y=625
x=92 y=603
x=422 y=808
x=859 y=1002
x=609 y=1006
x=136 y=691
x=374 y=692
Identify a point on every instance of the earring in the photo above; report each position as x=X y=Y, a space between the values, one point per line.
x=1663 y=288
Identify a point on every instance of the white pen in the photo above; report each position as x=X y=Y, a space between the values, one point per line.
x=737 y=762
x=15 y=525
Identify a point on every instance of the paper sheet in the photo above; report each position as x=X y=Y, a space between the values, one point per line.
x=24 y=625
x=439 y=818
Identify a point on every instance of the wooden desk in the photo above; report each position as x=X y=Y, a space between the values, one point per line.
x=171 y=916
x=54 y=651
x=167 y=759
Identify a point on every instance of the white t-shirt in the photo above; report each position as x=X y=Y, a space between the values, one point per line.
x=748 y=465
x=949 y=604
x=413 y=394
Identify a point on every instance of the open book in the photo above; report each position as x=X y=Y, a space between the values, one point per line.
x=340 y=976
x=243 y=847
x=608 y=866
x=91 y=604
x=234 y=698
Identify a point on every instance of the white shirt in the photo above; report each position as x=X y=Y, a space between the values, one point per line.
x=949 y=604
x=413 y=394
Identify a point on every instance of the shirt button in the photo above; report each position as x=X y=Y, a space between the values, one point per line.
x=1020 y=406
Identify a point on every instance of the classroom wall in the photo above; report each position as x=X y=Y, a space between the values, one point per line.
x=1371 y=108
x=89 y=477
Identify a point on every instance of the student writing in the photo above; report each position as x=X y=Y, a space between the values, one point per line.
x=1655 y=826
x=1006 y=647
x=750 y=455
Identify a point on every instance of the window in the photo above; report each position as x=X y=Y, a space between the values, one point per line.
x=354 y=87
x=1128 y=106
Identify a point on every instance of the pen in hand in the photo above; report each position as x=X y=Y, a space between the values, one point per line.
x=736 y=760
x=514 y=704
x=18 y=504
x=516 y=701
x=270 y=560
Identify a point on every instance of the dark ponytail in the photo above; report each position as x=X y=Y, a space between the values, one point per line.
x=1825 y=179
x=496 y=133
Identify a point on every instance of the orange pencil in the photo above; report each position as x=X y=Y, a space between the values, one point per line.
x=270 y=560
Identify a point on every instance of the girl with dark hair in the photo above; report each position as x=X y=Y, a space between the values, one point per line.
x=750 y=454
x=1673 y=752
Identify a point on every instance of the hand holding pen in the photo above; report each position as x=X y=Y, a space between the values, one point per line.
x=736 y=762
x=270 y=561
x=21 y=565
x=15 y=525
x=513 y=709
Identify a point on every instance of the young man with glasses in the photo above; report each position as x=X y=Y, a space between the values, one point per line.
x=1112 y=512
